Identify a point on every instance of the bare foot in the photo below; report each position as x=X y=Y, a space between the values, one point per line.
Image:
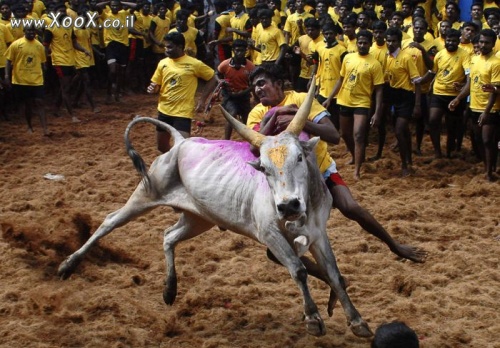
x=351 y=162
x=96 y=110
x=30 y=130
x=411 y=253
x=417 y=152
x=374 y=158
x=75 y=120
x=357 y=176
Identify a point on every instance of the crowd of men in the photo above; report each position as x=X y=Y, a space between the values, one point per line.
x=375 y=63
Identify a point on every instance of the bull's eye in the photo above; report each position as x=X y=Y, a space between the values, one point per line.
x=299 y=159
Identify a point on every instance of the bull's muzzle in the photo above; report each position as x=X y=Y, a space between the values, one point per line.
x=290 y=210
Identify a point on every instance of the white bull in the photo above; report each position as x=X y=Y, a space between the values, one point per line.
x=280 y=200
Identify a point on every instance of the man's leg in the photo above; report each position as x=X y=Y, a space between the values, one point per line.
x=404 y=139
x=359 y=132
x=345 y=203
x=435 y=119
x=346 y=127
x=38 y=105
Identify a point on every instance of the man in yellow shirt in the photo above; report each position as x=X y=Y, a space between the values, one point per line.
x=176 y=78
x=483 y=84
x=116 y=43
x=451 y=68
x=401 y=73
x=360 y=76
x=330 y=56
x=271 y=41
x=60 y=44
x=24 y=70
x=268 y=83
x=421 y=49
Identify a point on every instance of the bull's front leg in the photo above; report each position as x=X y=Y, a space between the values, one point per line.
x=188 y=226
x=323 y=254
x=280 y=248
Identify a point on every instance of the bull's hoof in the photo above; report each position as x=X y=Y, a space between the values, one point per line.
x=315 y=325
x=331 y=302
x=170 y=292
x=361 y=329
x=67 y=267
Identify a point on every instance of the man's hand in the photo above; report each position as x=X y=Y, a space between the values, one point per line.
x=153 y=88
x=284 y=116
x=483 y=118
x=417 y=46
x=453 y=104
x=375 y=120
x=489 y=88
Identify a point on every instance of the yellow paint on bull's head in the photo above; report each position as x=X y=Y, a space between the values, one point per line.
x=277 y=155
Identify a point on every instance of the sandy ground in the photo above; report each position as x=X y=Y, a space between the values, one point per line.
x=230 y=294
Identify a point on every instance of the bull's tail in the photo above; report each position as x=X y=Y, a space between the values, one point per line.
x=137 y=160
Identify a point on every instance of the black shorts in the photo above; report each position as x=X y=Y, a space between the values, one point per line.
x=64 y=71
x=182 y=124
x=295 y=59
x=136 y=49
x=403 y=102
x=493 y=120
x=301 y=85
x=347 y=111
x=116 y=52
x=442 y=102
x=23 y=92
x=237 y=106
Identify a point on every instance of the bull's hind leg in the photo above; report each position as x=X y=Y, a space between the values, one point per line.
x=139 y=203
x=323 y=254
x=188 y=226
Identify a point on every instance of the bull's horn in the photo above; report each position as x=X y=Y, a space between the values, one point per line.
x=299 y=121
x=253 y=137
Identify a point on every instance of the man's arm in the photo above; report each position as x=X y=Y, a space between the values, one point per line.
x=375 y=121
x=283 y=49
x=208 y=89
x=463 y=94
x=8 y=72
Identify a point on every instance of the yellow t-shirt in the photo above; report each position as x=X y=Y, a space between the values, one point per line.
x=249 y=4
x=400 y=70
x=379 y=53
x=120 y=32
x=270 y=40
x=162 y=28
x=329 y=67
x=419 y=60
x=27 y=58
x=17 y=32
x=255 y=55
x=224 y=20
x=483 y=69
x=63 y=53
x=83 y=38
x=360 y=74
x=190 y=37
x=6 y=39
x=38 y=7
x=292 y=27
x=469 y=47
x=450 y=67
x=142 y=24
x=239 y=22
x=439 y=43
x=305 y=47
x=178 y=79
x=291 y=97
x=349 y=44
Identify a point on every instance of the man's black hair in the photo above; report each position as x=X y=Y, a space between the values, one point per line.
x=365 y=33
x=176 y=38
x=489 y=33
x=379 y=25
x=453 y=33
x=395 y=335
x=240 y=43
x=272 y=71
x=395 y=32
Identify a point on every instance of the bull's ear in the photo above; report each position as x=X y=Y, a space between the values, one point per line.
x=310 y=145
x=256 y=165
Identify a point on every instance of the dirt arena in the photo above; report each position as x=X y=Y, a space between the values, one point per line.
x=230 y=294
